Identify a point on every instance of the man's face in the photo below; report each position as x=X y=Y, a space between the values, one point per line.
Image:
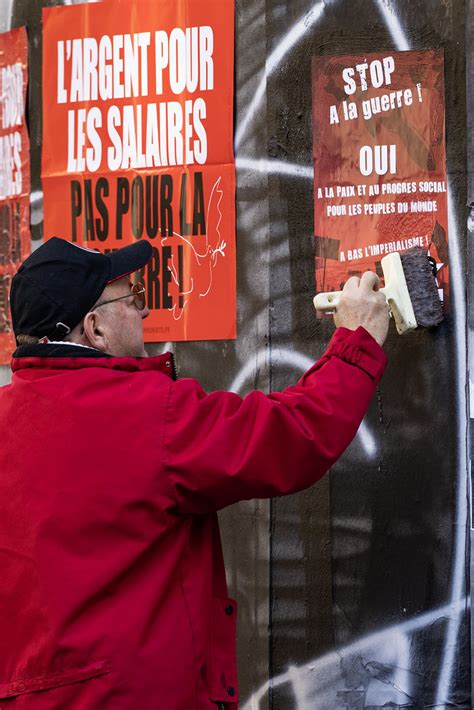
x=122 y=321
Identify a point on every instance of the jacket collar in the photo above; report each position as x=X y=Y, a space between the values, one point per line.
x=74 y=357
x=57 y=349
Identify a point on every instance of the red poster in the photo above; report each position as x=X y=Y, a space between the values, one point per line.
x=379 y=162
x=15 y=240
x=137 y=144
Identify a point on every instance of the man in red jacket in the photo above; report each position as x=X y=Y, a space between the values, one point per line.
x=112 y=584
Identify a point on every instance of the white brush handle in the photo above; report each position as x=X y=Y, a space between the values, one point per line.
x=324 y=302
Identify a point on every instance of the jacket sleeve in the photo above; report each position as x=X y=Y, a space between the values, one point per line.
x=220 y=448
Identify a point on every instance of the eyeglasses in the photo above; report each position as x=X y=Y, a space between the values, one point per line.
x=138 y=293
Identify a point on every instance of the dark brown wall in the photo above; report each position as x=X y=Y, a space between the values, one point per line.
x=396 y=529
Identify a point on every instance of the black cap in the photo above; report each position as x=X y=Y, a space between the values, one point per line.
x=59 y=283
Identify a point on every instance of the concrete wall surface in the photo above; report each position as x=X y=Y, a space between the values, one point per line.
x=353 y=594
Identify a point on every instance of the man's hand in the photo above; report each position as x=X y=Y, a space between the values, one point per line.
x=362 y=304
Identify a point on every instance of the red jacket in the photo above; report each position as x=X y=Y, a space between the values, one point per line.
x=112 y=585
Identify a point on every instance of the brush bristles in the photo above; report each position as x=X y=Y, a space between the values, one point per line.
x=422 y=288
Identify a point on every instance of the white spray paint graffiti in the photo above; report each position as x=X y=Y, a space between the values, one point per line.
x=391 y=648
x=293 y=36
x=393 y=25
x=274 y=167
x=459 y=557
x=9 y=12
x=36 y=207
x=282 y=357
x=459 y=312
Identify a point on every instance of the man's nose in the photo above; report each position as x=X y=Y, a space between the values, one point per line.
x=145 y=313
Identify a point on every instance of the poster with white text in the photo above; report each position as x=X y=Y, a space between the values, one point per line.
x=137 y=144
x=379 y=162
x=15 y=238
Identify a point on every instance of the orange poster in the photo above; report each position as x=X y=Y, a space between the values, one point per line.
x=137 y=144
x=379 y=162
x=15 y=239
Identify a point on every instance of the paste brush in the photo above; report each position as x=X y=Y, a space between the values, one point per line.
x=410 y=289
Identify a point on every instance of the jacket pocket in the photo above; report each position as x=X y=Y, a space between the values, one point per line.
x=48 y=681
x=224 y=684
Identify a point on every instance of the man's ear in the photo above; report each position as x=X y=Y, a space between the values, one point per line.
x=95 y=332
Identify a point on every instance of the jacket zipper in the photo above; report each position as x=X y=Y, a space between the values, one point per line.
x=175 y=377
x=171 y=363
